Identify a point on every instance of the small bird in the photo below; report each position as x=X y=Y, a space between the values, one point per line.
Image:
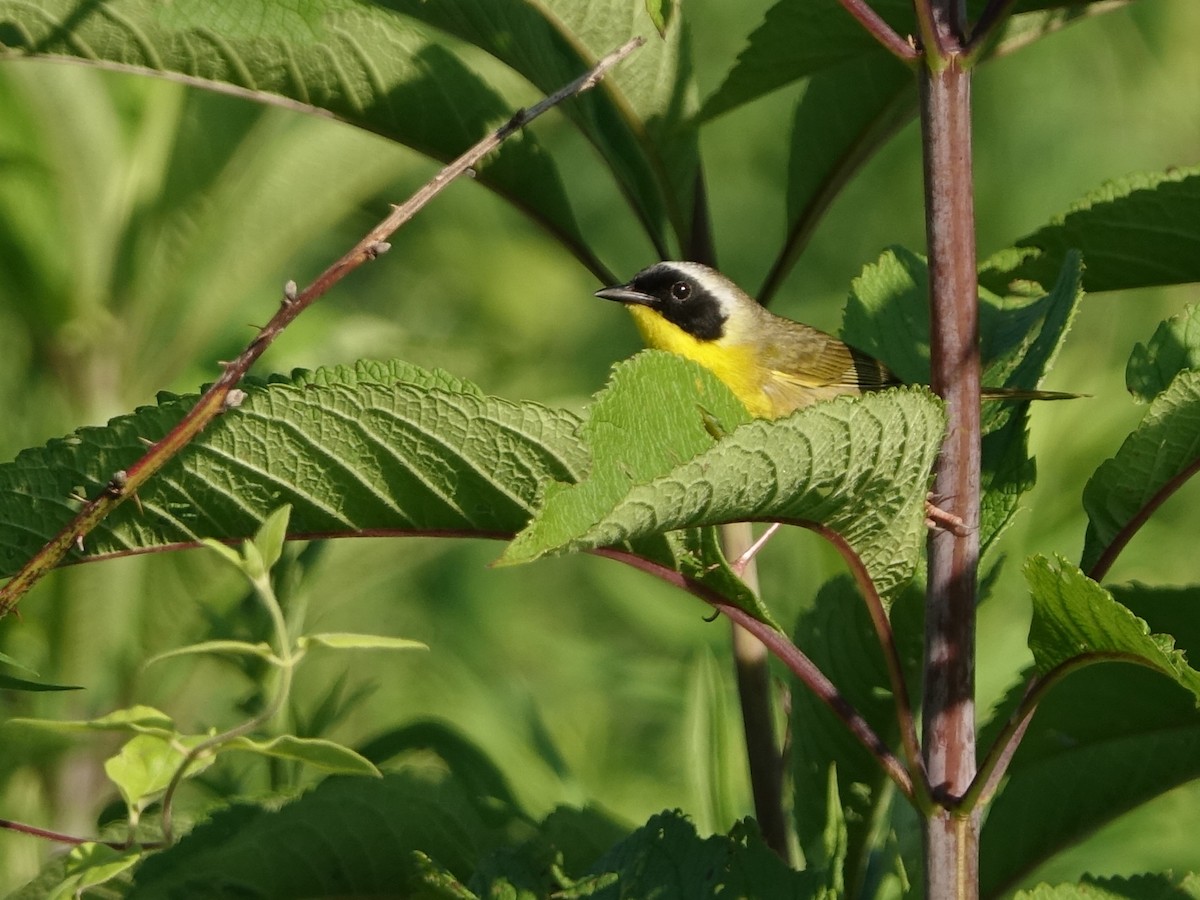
x=774 y=365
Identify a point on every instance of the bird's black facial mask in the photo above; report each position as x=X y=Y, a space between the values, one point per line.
x=677 y=297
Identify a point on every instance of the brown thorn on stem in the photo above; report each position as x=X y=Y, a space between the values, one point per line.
x=212 y=402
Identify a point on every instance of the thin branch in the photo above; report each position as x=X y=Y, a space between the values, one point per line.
x=789 y=654
x=61 y=838
x=223 y=395
x=1100 y=568
x=874 y=24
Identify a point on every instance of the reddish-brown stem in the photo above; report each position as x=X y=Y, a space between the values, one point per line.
x=61 y=838
x=951 y=836
x=891 y=656
x=222 y=394
x=881 y=30
x=787 y=653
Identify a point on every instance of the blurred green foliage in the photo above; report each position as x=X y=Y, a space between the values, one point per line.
x=143 y=224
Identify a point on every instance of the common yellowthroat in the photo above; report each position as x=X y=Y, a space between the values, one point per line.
x=774 y=365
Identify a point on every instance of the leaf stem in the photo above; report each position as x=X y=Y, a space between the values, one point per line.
x=1109 y=556
x=789 y=654
x=891 y=656
x=874 y=24
x=222 y=395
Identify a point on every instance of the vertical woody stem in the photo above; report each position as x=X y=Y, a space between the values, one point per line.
x=952 y=839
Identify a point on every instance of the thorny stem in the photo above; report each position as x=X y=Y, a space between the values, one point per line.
x=223 y=395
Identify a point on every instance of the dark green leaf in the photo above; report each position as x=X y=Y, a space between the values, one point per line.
x=1103 y=741
x=1138 y=887
x=1153 y=462
x=1077 y=622
x=412 y=827
x=666 y=858
x=857 y=466
x=1174 y=347
x=379 y=447
x=1138 y=231
x=362 y=62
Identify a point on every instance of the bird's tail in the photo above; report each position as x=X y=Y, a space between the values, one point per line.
x=1017 y=394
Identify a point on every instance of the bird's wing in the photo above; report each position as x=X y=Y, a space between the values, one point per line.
x=810 y=365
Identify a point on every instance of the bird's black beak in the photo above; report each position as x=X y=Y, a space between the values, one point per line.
x=623 y=293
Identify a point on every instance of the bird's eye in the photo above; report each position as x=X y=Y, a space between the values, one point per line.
x=681 y=290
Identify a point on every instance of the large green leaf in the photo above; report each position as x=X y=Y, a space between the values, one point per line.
x=1139 y=231
x=1174 y=347
x=382 y=447
x=1153 y=462
x=859 y=467
x=1102 y=742
x=666 y=858
x=361 y=62
x=1138 y=887
x=349 y=836
x=888 y=316
x=1076 y=622
x=798 y=38
x=836 y=634
x=640 y=119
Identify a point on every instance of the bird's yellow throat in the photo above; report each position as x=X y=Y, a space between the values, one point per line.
x=734 y=364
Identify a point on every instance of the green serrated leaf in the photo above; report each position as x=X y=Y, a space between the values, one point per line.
x=349 y=641
x=381 y=447
x=798 y=38
x=1174 y=347
x=242 y=648
x=1155 y=460
x=1083 y=763
x=366 y=63
x=666 y=858
x=1137 y=887
x=328 y=756
x=1077 y=622
x=1138 y=231
x=858 y=466
x=654 y=413
x=315 y=845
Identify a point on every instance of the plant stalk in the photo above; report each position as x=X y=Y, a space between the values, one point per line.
x=756 y=696
x=951 y=836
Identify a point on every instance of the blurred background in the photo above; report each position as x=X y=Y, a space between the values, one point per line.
x=143 y=225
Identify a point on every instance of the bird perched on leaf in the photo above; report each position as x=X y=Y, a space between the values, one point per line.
x=774 y=365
